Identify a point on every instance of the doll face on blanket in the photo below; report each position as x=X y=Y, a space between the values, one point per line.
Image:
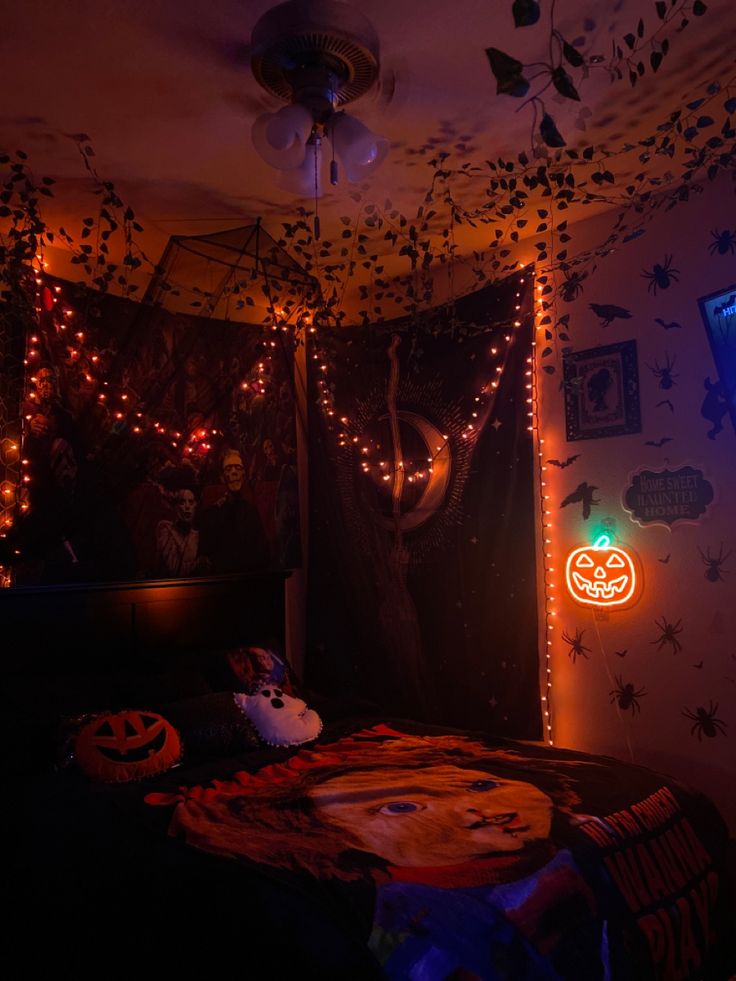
x=438 y=815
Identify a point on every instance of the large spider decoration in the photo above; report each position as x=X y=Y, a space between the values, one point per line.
x=662 y=277
x=665 y=375
x=572 y=287
x=577 y=647
x=724 y=242
x=668 y=635
x=627 y=696
x=714 y=564
x=705 y=722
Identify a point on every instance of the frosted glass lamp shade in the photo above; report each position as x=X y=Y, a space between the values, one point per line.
x=281 y=137
x=301 y=180
x=360 y=150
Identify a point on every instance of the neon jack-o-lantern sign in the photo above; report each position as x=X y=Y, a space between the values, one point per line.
x=603 y=575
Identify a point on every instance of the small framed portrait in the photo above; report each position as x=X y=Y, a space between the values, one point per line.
x=719 y=394
x=602 y=392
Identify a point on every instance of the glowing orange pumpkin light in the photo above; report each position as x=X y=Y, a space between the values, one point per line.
x=603 y=575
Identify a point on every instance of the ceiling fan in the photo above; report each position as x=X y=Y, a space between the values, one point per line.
x=318 y=57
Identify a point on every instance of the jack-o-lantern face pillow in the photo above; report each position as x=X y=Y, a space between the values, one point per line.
x=127 y=746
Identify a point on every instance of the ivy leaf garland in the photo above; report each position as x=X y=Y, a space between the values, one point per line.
x=524 y=194
x=525 y=12
x=549 y=132
x=509 y=74
x=628 y=57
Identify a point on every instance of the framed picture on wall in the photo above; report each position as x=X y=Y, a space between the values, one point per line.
x=719 y=316
x=602 y=392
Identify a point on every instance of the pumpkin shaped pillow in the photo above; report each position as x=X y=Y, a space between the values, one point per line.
x=124 y=746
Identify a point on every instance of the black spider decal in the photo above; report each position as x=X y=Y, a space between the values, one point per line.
x=627 y=696
x=662 y=277
x=714 y=564
x=665 y=375
x=572 y=287
x=668 y=635
x=705 y=722
x=577 y=647
x=724 y=242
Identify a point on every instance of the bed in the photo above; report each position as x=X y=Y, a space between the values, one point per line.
x=384 y=848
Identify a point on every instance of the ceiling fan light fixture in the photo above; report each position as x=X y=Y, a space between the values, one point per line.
x=291 y=124
x=361 y=151
x=305 y=181
x=281 y=137
x=318 y=56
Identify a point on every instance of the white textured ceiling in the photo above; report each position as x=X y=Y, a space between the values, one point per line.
x=164 y=91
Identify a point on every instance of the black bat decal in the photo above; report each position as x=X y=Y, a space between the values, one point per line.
x=666 y=559
x=659 y=442
x=668 y=326
x=698 y=665
x=622 y=653
x=564 y=463
x=666 y=402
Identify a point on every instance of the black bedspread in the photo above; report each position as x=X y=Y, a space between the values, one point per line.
x=629 y=879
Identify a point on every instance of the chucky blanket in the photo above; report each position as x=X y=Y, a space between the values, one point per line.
x=485 y=861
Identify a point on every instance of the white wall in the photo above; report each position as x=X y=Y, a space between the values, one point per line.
x=677 y=589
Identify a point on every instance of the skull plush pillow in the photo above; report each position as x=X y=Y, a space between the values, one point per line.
x=279 y=719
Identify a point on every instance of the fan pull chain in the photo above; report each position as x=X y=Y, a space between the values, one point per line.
x=333 y=165
x=317 y=143
x=333 y=162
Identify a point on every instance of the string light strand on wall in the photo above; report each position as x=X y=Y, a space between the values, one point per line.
x=548 y=584
x=372 y=457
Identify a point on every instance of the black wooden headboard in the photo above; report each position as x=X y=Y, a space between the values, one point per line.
x=78 y=648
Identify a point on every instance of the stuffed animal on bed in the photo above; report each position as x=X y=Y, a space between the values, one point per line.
x=256 y=667
x=279 y=719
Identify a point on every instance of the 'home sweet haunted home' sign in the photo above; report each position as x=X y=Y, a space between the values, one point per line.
x=667 y=496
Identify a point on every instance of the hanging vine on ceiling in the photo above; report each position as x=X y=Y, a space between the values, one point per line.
x=629 y=56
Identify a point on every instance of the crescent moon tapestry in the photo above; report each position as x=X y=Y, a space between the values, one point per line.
x=422 y=570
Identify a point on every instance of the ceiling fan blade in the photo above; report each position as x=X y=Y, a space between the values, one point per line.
x=221 y=49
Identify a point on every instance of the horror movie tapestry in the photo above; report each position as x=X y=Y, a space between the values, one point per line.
x=155 y=446
x=422 y=572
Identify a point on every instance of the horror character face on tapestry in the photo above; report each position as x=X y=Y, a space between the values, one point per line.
x=45 y=394
x=429 y=803
x=46 y=384
x=233 y=471
x=185 y=504
x=177 y=540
